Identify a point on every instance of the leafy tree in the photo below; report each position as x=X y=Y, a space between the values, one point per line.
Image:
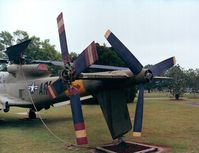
x=73 y=56
x=107 y=56
x=192 y=80
x=6 y=39
x=178 y=85
x=20 y=36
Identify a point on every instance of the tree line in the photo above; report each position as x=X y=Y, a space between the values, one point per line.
x=180 y=80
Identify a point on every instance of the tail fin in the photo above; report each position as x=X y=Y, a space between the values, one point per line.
x=15 y=52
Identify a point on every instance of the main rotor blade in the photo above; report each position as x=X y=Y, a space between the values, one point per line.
x=122 y=51
x=160 y=67
x=139 y=112
x=62 y=39
x=78 y=118
x=85 y=59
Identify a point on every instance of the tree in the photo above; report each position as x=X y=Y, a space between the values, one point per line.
x=107 y=56
x=20 y=36
x=73 y=56
x=6 y=39
x=192 y=80
x=178 y=85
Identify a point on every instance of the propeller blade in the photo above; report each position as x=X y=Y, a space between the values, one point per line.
x=78 y=118
x=56 y=88
x=62 y=39
x=85 y=59
x=160 y=67
x=123 y=52
x=139 y=112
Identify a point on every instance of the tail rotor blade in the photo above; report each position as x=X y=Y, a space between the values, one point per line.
x=160 y=67
x=122 y=51
x=62 y=39
x=139 y=112
x=78 y=120
x=85 y=59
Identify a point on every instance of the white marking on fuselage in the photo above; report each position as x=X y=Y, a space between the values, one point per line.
x=32 y=88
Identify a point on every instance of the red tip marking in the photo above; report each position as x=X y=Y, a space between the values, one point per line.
x=79 y=126
x=60 y=16
x=82 y=141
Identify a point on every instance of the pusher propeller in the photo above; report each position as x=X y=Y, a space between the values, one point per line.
x=68 y=75
x=137 y=68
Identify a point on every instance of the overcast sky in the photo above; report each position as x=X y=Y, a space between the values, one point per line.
x=152 y=29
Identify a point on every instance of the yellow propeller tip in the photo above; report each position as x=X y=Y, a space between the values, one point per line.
x=108 y=32
x=137 y=134
x=174 y=60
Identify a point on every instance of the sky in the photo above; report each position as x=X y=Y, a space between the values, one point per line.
x=152 y=30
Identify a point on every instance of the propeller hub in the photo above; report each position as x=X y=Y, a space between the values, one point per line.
x=66 y=76
x=148 y=75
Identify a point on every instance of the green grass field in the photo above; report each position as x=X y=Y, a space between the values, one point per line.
x=168 y=123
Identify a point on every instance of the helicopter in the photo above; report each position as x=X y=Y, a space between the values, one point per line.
x=30 y=85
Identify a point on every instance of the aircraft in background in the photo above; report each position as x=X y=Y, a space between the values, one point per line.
x=30 y=85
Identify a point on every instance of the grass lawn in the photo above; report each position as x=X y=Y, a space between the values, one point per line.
x=169 y=123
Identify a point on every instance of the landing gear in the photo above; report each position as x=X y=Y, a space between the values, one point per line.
x=32 y=114
x=6 y=107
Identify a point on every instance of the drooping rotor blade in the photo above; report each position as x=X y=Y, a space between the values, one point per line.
x=62 y=39
x=160 y=67
x=85 y=59
x=139 y=112
x=123 y=52
x=78 y=118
